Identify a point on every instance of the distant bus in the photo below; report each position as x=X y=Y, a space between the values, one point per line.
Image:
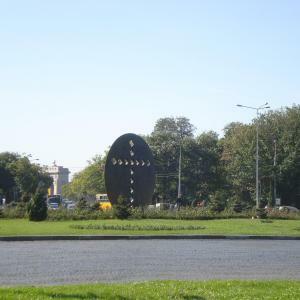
x=103 y=201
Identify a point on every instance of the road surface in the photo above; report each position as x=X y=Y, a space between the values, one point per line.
x=63 y=262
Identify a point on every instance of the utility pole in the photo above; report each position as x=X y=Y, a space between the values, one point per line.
x=257 y=152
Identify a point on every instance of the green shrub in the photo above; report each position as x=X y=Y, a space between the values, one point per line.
x=12 y=204
x=237 y=205
x=136 y=227
x=217 y=201
x=15 y=210
x=95 y=206
x=261 y=213
x=82 y=204
x=37 y=207
x=122 y=208
x=277 y=214
x=241 y=201
x=187 y=213
x=21 y=209
x=62 y=214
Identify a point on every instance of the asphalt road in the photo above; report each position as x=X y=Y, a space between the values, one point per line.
x=62 y=262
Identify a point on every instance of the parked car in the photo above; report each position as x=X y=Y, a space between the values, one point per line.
x=53 y=205
x=53 y=202
x=288 y=209
x=162 y=206
x=69 y=204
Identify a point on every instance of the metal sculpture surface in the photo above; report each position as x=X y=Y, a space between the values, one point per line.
x=129 y=170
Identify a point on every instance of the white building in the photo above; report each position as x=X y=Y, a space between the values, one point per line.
x=60 y=177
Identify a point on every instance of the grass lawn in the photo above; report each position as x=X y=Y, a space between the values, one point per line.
x=12 y=227
x=188 y=290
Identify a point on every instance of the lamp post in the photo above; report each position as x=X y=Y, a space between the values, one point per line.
x=179 y=191
x=35 y=159
x=257 y=158
x=179 y=174
x=29 y=156
x=274 y=172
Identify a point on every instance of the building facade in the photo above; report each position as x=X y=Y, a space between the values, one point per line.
x=60 y=177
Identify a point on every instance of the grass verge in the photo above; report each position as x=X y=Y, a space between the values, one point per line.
x=198 y=290
x=17 y=227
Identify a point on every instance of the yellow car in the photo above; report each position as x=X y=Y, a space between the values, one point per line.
x=103 y=201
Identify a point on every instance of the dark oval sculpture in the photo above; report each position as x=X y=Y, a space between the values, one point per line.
x=129 y=170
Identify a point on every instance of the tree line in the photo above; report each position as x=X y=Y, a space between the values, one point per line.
x=217 y=170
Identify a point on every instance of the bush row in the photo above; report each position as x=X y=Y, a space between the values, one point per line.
x=20 y=211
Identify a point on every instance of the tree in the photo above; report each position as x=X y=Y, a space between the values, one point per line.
x=7 y=180
x=28 y=177
x=218 y=201
x=88 y=182
x=238 y=156
x=178 y=128
x=165 y=141
x=283 y=126
x=201 y=170
x=122 y=207
x=37 y=207
x=209 y=169
x=19 y=178
x=200 y=166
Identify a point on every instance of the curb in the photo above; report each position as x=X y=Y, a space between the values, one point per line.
x=142 y=237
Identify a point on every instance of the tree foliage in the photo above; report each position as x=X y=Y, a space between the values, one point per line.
x=37 y=207
x=122 y=208
x=200 y=159
x=87 y=183
x=19 y=178
x=82 y=204
x=7 y=179
x=239 y=152
x=228 y=164
x=220 y=171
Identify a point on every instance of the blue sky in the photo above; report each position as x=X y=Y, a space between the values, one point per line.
x=74 y=75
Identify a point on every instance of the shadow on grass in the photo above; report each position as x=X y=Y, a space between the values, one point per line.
x=192 y=297
x=71 y=296
x=84 y=296
x=266 y=221
x=93 y=296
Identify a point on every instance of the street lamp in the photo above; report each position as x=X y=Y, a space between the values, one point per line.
x=179 y=174
x=257 y=114
x=274 y=172
x=29 y=156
